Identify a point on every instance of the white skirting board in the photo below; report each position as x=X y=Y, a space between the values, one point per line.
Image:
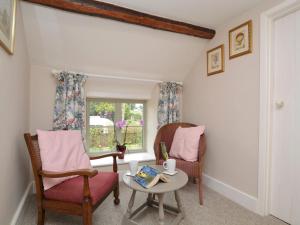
x=235 y=195
x=21 y=207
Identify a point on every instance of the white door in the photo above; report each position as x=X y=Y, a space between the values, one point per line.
x=285 y=145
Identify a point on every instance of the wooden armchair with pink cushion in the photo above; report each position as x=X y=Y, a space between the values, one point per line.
x=79 y=195
x=193 y=169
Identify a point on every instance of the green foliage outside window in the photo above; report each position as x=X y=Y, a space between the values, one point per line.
x=101 y=138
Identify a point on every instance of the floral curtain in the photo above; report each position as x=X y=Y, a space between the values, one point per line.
x=69 y=109
x=169 y=103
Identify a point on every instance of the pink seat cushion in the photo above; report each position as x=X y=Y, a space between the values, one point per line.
x=186 y=143
x=61 y=151
x=72 y=190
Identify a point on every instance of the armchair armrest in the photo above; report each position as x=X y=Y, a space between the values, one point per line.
x=86 y=173
x=111 y=154
x=81 y=172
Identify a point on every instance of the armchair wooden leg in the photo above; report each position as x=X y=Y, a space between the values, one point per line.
x=41 y=216
x=87 y=218
x=200 y=188
x=87 y=212
x=116 y=195
x=194 y=179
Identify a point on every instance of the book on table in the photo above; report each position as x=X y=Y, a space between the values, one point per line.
x=147 y=177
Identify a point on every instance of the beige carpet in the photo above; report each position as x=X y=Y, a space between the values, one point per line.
x=216 y=211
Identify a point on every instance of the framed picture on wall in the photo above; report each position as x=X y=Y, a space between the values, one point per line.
x=240 y=40
x=215 y=60
x=7 y=24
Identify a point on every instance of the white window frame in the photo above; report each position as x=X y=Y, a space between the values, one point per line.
x=118 y=115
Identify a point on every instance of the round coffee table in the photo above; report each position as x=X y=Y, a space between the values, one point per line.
x=176 y=182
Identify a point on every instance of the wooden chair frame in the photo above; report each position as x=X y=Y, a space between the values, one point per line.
x=85 y=209
x=198 y=166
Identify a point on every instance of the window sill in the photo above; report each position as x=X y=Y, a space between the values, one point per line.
x=141 y=157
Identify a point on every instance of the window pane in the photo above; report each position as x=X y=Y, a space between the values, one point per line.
x=101 y=126
x=101 y=117
x=133 y=114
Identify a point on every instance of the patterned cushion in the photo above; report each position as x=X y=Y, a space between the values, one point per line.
x=191 y=168
x=72 y=190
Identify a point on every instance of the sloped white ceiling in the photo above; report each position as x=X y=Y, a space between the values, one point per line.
x=209 y=13
x=63 y=40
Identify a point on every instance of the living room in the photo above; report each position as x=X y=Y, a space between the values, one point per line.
x=141 y=67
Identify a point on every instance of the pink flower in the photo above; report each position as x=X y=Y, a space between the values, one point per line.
x=121 y=123
x=142 y=123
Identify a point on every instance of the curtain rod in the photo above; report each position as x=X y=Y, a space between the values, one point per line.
x=111 y=77
x=114 y=77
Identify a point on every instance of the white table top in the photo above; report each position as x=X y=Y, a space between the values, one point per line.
x=177 y=181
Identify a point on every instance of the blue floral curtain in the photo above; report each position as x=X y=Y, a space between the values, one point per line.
x=169 y=103
x=69 y=109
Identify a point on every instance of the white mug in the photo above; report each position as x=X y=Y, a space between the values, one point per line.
x=170 y=165
x=133 y=167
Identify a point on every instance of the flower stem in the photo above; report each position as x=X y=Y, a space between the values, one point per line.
x=115 y=134
x=124 y=141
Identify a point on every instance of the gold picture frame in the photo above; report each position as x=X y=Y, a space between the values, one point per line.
x=240 y=40
x=7 y=24
x=215 y=60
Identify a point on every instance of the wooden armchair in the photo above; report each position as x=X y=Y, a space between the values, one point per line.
x=193 y=169
x=77 y=196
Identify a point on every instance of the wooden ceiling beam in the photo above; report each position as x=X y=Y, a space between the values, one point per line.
x=114 y=12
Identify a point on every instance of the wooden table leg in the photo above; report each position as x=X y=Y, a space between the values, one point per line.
x=130 y=204
x=126 y=218
x=149 y=199
x=161 y=209
x=179 y=204
x=153 y=196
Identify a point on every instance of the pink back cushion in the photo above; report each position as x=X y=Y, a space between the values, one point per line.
x=61 y=151
x=186 y=142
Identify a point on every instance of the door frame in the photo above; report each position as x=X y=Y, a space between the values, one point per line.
x=267 y=20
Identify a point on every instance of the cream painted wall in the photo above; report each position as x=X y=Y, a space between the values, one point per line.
x=42 y=94
x=228 y=104
x=14 y=98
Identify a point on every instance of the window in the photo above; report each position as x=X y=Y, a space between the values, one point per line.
x=102 y=114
